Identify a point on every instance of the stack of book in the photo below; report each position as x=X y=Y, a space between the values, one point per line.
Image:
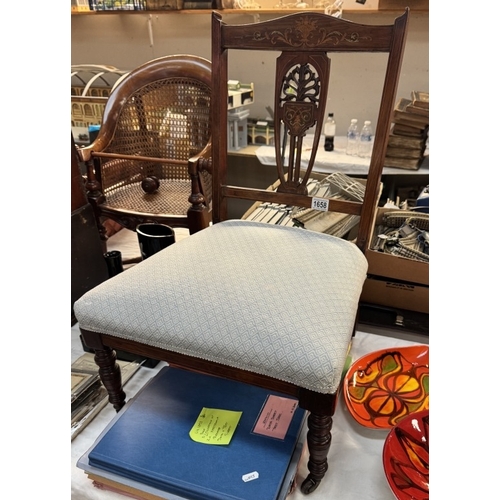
x=88 y=395
x=117 y=4
x=85 y=384
x=186 y=435
x=196 y=4
x=408 y=137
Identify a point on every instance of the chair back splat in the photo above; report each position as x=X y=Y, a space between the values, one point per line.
x=263 y=304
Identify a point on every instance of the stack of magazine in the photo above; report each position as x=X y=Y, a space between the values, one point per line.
x=335 y=186
x=88 y=395
x=407 y=144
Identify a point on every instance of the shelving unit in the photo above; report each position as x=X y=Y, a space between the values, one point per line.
x=421 y=6
x=208 y=11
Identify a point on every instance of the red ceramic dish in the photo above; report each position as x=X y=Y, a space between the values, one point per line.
x=406 y=457
x=383 y=387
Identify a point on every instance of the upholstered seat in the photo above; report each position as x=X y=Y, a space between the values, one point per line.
x=247 y=323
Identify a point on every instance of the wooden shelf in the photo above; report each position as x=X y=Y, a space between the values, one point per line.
x=238 y=11
x=208 y=11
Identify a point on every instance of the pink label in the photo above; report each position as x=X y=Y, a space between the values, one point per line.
x=275 y=417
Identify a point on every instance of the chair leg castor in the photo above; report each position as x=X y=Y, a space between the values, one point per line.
x=308 y=485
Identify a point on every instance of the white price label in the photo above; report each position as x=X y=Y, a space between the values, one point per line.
x=320 y=204
x=250 y=476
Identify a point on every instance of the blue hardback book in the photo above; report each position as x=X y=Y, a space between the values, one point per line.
x=141 y=489
x=149 y=441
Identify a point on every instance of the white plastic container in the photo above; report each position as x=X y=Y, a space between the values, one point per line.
x=352 y=138
x=366 y=140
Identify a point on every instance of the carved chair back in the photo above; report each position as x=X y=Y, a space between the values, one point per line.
x=304 y=42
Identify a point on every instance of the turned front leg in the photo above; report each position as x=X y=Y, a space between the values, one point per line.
x=319 y=439
x=111 y=376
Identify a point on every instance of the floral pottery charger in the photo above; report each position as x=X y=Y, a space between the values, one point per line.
x=406 y=457
x=385 y=386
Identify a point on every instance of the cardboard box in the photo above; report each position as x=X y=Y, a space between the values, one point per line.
x=396 y=294
x=392 y=266
x=395 y=281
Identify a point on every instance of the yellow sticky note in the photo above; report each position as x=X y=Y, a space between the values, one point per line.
x=215 y=426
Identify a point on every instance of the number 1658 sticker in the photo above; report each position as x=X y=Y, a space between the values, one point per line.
x=320 y=204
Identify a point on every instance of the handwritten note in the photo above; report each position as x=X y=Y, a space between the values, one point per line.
x=275 y=417
x=215 y=426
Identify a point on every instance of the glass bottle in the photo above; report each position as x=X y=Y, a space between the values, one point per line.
x=329 y=131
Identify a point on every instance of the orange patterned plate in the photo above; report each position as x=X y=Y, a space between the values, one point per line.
x=385 y=386
x=406 y=457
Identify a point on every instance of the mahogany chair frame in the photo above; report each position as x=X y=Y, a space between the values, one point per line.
x=304 y=40
x=129 y=145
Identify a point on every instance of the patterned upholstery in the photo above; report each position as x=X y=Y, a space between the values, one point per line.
x=300 y=338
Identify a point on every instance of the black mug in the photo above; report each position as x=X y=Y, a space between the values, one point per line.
x=153 y=238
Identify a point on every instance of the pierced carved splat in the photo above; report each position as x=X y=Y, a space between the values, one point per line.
x=299 y=106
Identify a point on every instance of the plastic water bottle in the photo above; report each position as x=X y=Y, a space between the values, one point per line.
x=366 y=140
x=352 y=138
x=329 y=131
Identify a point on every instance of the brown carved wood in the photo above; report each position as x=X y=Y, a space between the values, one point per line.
x=88 y=268
x=298 y=106
x=319 y=439
x=110 y=375
x=304 y=40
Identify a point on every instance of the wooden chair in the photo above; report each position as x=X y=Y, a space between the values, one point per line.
x=259 y=303
x=156 y=118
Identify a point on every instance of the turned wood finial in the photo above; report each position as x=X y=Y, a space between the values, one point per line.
x=150 y=184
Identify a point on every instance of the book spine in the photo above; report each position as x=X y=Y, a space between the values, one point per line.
x=190 y=4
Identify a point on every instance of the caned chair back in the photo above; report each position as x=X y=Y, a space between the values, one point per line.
x=155 y=120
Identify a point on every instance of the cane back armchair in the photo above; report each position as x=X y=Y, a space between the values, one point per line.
x=156 y=118
x=263 y=304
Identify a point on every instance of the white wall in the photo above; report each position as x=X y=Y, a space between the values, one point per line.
x=123 y=41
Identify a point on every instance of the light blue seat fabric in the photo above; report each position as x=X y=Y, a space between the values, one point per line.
x=274 y=300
